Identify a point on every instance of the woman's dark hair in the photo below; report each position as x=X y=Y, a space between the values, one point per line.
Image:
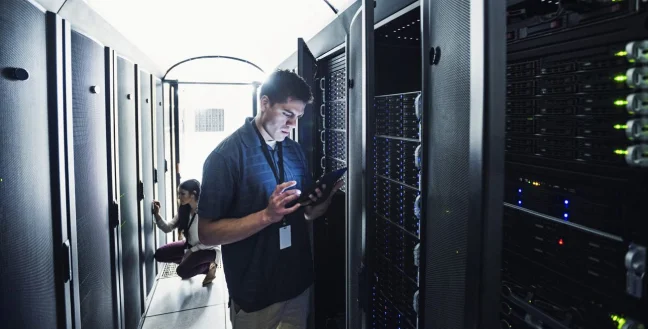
x=193 y=187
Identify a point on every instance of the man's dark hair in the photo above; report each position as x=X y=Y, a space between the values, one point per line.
x=283 y=84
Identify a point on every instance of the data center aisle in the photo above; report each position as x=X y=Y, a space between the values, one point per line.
x=186 y=304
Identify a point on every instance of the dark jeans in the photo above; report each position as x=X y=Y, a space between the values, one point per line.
x=192 y=264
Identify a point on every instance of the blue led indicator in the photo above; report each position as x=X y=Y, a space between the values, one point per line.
x=566 y=202
x=566 y=215
x=520 y=202
x=519 y=190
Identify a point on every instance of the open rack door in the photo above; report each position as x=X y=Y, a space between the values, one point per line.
x=360 y=93
x=463 y=161
x=306 y=129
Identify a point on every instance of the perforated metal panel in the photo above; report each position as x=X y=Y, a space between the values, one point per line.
x=128 y=189
x=161 y=154
x=91 y=183
x=447 y=147
x=27 y=288
x=146 y=138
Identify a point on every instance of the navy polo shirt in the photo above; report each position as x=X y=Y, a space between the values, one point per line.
x=238 y=181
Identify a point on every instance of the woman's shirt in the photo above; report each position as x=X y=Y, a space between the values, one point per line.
x=193 y=240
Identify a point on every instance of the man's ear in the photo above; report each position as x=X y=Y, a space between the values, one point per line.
x=265 y=103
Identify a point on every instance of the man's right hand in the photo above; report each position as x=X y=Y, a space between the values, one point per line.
x=276 y=209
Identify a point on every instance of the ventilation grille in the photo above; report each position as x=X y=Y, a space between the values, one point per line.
x=210 y=120
x=169 y=271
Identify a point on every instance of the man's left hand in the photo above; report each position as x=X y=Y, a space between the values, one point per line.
x=317 y=211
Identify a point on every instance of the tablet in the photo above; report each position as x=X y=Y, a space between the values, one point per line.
x=329 y=179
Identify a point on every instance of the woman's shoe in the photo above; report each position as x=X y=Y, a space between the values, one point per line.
x=211 y=274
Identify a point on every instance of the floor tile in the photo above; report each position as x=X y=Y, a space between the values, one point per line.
x=174 y=294
x=201 y=318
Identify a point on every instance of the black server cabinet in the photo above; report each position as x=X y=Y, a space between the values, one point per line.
x=462 y=131
x=32 y=199
x=95 y=260
x=145 y=168
x=160 y=157
x=575 y=233
x=133 y=270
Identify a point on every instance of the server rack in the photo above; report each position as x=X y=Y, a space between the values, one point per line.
x=330 y=153
x=574 y=232
x=91 y=156
x=112 y=137
x=133 y=269
x=145 y=168
x=34 y=197
x=395 y=231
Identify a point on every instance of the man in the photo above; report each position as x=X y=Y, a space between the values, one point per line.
x=247 y=182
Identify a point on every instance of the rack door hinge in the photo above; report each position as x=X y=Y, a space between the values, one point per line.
x=66 y=253
x=114 y=214
x=140 y=191
x=166 y=166
x=155 y=176
x=635 y=263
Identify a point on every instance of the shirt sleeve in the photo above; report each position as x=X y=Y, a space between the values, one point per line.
x=218 y=186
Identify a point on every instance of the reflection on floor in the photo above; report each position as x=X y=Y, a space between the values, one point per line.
x=177 y=303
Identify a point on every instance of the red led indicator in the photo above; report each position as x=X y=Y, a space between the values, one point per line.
x=561 y=242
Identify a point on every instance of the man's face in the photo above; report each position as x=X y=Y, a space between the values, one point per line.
x=280 y=119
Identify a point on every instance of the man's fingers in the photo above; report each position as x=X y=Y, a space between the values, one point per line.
x=318 y=192
x=337 y=186
x=292 y=209
x=282 y=187
x=288 y=198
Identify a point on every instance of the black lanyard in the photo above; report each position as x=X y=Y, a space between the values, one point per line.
x=280 y=177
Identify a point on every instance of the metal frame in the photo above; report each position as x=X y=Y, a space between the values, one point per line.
x=154 y=141
x=488 y=97
x=359 y=101
x=210 y=57
x=307 y=128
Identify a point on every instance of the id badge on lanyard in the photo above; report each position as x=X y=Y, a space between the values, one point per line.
x=285 y=240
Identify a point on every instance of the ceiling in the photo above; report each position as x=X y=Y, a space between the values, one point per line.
x=264 y=32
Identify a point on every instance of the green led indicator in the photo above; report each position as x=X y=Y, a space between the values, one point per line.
x=621 y=152
x=619 y=320
x=621 y=53
x=620 y=78
x=620 y=102
x=619 y=127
